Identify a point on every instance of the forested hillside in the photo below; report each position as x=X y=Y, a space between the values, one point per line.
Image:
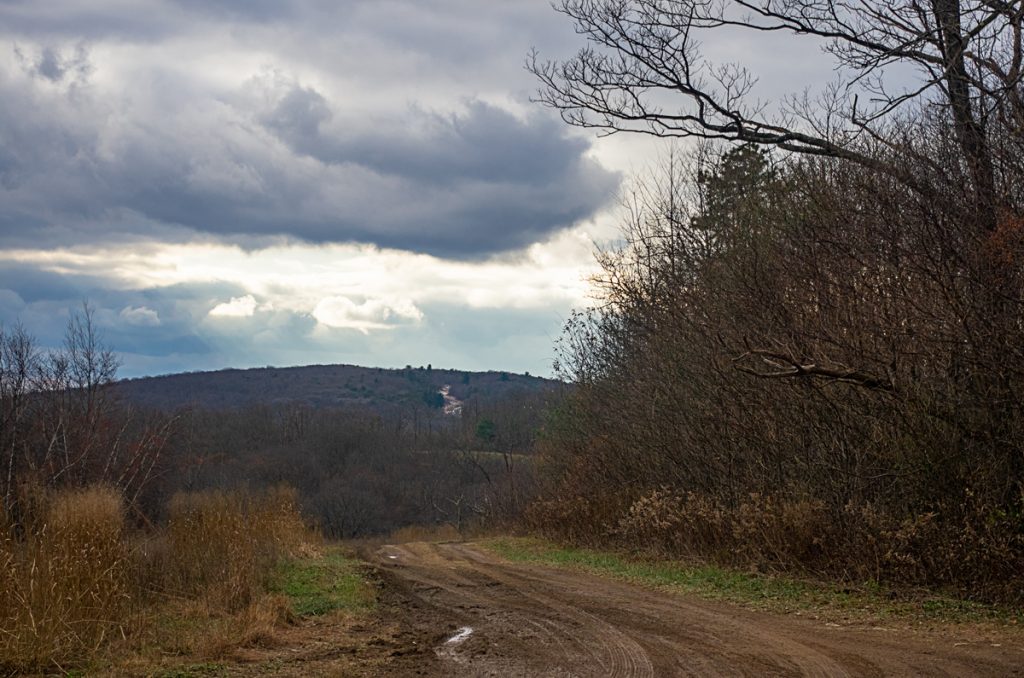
x=322 y=386
x=369 y=450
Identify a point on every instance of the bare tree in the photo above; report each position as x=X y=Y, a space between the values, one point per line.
x=967 y=55
x=19 y=367
x=61 y=423
x=79 y=377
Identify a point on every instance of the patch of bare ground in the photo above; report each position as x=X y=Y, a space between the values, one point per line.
x=454 y=609
x=535 y=620
x=341 y=645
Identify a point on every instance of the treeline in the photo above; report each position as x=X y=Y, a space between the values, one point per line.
x=810 y=351
x=809 y=361
x=360 y=471
x=802 y=364
x=321 y=386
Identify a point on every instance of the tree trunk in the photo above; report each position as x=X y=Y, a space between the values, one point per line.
x=969 y=132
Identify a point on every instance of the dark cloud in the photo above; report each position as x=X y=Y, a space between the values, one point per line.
x=89 y=20
x=33 y=284
x=485 y=143
x=54 y=65
x=286 y=163
x=152 y=322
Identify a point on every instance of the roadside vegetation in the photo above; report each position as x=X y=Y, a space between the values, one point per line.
x=807 y=354
x=869 y=602
x=82 y=588
x=323 y=583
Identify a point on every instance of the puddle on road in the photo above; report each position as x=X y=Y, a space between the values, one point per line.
x=460 y=635
x=448 y=649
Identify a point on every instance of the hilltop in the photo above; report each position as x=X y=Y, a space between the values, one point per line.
x=324 y=386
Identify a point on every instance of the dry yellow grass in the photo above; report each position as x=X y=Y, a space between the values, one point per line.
x=66 y=585
x=223 y=546
x=73 y=578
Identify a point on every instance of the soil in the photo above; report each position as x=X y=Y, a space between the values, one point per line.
x=454 y=610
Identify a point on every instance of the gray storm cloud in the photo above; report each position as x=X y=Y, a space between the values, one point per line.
x=132 y=128
x=272 y=157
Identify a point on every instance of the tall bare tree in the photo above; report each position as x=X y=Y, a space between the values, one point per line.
x=643 y=71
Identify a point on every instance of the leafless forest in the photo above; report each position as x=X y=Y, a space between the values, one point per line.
x=809 y=351
x=368 y=450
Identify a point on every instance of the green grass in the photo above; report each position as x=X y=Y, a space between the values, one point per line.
x=331 y=581
x=777 y=593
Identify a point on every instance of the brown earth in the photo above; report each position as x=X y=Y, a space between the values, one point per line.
x=531 y=620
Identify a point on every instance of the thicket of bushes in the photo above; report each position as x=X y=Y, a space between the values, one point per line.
x=75 y=578
x=359 y=472
x=811 y=361
x=804 y=365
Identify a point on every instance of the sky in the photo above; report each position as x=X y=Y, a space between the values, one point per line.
x=238 y=183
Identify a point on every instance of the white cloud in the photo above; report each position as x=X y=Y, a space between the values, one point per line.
x=141 y=316
x=371 y=314
x=297 y=277
x=238 y=307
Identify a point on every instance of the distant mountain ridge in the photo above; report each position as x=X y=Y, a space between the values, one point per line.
x=324 y=386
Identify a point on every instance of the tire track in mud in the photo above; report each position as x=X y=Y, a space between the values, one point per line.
x=530 y=620
x=537 y=637
x=651 y=627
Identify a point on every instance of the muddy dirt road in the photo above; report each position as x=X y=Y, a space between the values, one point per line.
x=469 y=613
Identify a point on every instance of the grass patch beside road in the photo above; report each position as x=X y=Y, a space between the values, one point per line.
x=318 y=585
x=828 y=600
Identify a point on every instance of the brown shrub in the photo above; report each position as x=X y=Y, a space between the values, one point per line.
x=968 y=545
x=656 y=521
x=576 y=519
x=770 y=533
x=760 y=532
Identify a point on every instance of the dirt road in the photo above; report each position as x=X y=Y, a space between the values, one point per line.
x=467 y=613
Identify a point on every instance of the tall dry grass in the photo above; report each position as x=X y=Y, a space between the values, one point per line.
x=223 y=546
x=73 y=577
x=66 y=585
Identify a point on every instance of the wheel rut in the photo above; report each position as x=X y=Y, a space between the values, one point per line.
x=529 y=620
